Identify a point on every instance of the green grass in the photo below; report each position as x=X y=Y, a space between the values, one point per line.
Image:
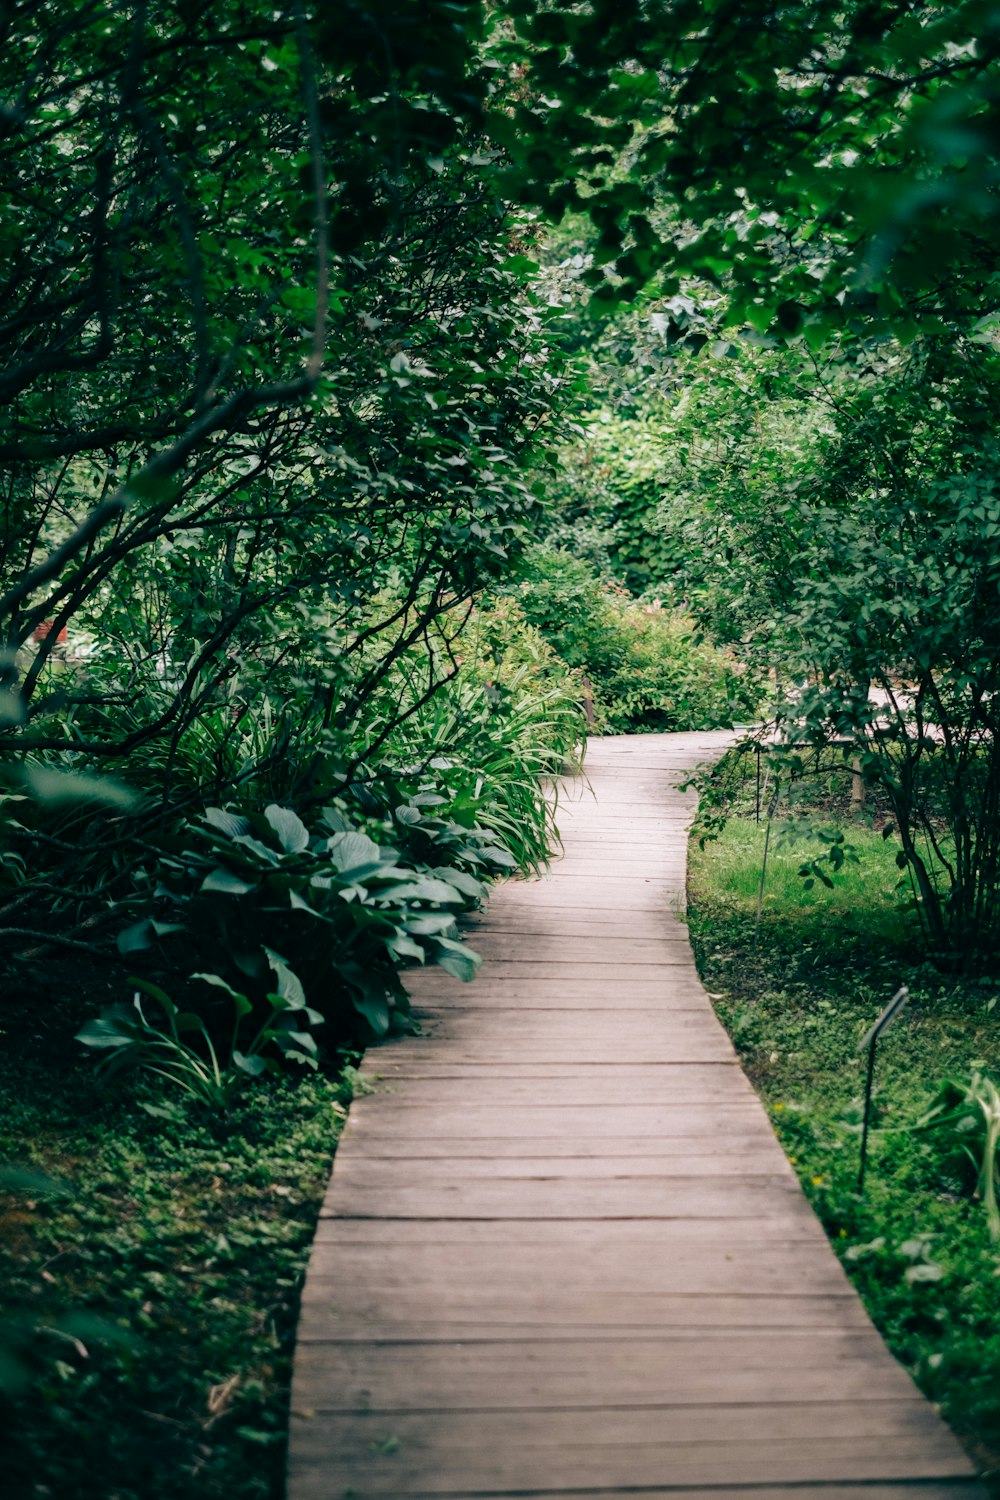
x=869 y=898
x=156 y=1295
x=797 y=994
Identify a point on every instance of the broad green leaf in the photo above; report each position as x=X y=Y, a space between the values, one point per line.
x=355 y=855
x=291 y=832
x=467 y=884
x=136 y=938
x=225 y=822
x=376 y=1011
x=115 y=1028
x=65 y=788
x=253 y=1065
x=403 y=946
x=289 y=985
x=227 y=883
x=426 y=888
x=455 y=958
x=241 y=1004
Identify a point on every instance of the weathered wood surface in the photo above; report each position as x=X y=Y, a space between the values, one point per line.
x=562 y=1253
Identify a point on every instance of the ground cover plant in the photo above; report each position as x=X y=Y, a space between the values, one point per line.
x=797 y=988
x=152 y=1253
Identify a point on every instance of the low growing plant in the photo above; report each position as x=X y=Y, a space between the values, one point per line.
x=212 y=1074
x=340 y=907
x=468 y=773
x=969 y=1112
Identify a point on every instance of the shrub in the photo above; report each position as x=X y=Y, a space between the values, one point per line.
x=341 y=910
x=649 y=667
x=466 y=773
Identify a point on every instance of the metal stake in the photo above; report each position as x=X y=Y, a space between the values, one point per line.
x=870 y=1040
x=868 y=1106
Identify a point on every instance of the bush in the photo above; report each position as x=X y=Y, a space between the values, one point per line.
x=649 y=667
x=474 y=760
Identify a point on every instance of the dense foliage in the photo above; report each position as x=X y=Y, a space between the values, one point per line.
x=151 y=1271
x=647 y=667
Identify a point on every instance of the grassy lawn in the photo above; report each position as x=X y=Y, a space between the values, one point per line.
x=797 y=993
x=151 y=1265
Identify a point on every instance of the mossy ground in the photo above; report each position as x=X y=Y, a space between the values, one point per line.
x=151 y=1265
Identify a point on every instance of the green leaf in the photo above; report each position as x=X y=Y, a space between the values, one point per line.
x=67 y=788
x=467 y=884
x=261 y=852
x=299 y=903
x=455 y=958
x=137 y=937
x=291 y=832
x=354 y=855
x=254 y=1065
x=498 y=856
x=140 y=935
x=289 y=985
x=227 y=883
x=426 y=888
x=403 y=946
x=159 y=995
x=225 y=822
x=376 y=1010
x=117 y=1027
x=242 y=1005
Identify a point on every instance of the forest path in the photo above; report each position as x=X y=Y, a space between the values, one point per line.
x=562 y=1253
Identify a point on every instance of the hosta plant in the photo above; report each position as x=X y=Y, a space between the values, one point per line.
x=181 y=1049
x=347 y=915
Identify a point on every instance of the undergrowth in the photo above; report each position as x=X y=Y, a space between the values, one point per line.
x=797 y=992
x=151 y=1265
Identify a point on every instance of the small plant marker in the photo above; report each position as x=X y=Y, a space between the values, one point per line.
x=870 y=1040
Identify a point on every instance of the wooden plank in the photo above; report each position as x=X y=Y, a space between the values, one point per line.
x=498 y=998
x=599 y=1122
x=655 y=993
x=614 y=1031
x=669 y=947
x=457 y=1453
x=694 y=1079
x=652 y=970
x=546 y=1375
x=407 y=1136
x=741 y=1161
x=632 y=1029
x=905 y=1490
x=509 y=1277
x=625 y=1237
x=771 y=1196
x=515 y=1093
x=701 y=1050
x=392 y=1313
x=586 y=953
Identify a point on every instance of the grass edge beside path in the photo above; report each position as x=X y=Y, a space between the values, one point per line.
x=796 y=995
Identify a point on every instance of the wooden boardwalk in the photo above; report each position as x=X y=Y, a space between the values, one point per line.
x=562 y=1253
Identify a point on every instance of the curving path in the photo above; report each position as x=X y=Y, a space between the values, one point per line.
x=562 y=1252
